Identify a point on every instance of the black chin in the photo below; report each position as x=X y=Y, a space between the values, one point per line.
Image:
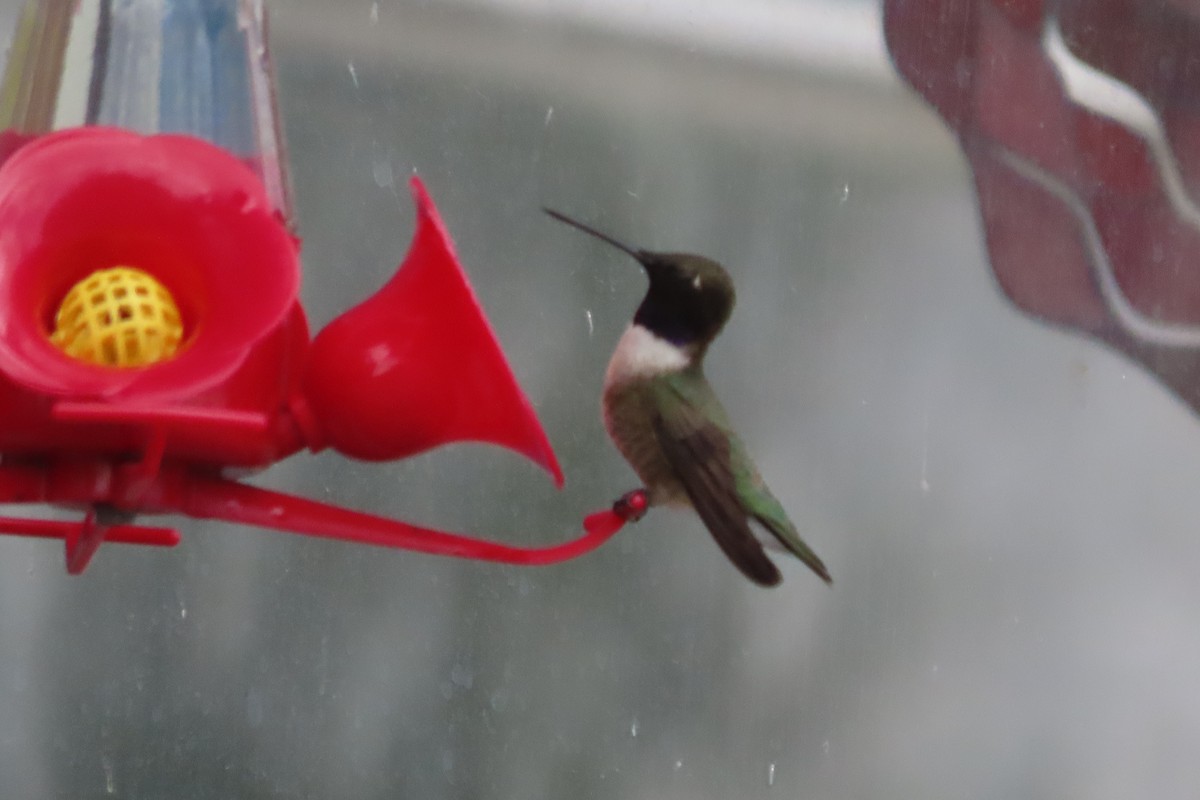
x=666 y=326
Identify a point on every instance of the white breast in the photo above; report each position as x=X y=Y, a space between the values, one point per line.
x=641 y=354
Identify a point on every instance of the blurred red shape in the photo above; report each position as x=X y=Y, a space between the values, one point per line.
x=1090 y=213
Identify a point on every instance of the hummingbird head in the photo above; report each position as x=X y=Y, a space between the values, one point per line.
x=690 y=297
x=689 y=300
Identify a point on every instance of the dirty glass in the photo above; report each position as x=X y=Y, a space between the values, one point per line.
x=994 y=453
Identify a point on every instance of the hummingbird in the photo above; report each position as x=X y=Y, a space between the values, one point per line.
x=664 y=418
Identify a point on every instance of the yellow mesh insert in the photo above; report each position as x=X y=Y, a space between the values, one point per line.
x=118 y=317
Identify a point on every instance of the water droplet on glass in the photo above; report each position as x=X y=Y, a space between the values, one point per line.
x=825 y=747
x=374 y=13
x=462 y=676
x=925 y=458
x=771 y=774
x=254 y=708
x=381 y=171
x=109 y=784
x=549 y=115
x=678 y=765
x=353 y=73
x=633 y=728
x=591 y=325
x=845 y=193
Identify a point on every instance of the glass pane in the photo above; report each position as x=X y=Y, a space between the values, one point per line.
x=1001 y=497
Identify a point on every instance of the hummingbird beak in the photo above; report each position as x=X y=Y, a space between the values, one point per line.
x=604 y=237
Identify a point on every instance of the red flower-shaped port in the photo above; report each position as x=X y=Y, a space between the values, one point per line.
x=185 y=211
x=181 y=215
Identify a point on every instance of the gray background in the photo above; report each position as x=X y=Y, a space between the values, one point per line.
x=1008 y=511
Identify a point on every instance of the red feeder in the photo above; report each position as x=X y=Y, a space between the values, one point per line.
x=151 y=336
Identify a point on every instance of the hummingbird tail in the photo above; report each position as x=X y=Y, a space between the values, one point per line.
x=791 y=540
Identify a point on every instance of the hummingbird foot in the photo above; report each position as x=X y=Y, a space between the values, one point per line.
x=632 y=506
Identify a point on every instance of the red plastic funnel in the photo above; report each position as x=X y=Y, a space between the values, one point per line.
x=417 y=365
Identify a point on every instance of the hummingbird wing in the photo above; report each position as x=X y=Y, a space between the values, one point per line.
x=699 y=452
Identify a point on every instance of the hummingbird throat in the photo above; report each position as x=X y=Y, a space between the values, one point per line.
x=642 y=354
